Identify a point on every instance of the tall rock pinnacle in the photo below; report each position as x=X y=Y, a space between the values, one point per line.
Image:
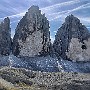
x=5 y=37
x=71 y=40
x=32 y=36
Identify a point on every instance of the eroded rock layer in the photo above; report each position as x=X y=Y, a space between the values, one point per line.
x=5 y=37
x=32 y=36
x=72 y=40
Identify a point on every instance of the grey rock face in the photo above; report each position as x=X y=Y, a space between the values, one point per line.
x=5 y=37
x=72 y=34
x=32 y=36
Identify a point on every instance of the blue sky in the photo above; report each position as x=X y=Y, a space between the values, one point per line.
x=55 y=11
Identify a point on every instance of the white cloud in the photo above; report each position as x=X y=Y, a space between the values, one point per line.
x=49 y=1
x=71 y=10
x=85 y=20
x=54 y=31
x=15 y=21
x=63 y=14
x=60 y=5
x=52 y=39
x=53 y=16
x=12 y=33
x=88 y=27
x=16 y=15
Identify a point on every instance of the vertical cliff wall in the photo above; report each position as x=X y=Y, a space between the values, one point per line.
x=5 y=37
x=72 y=40
x=32 y=36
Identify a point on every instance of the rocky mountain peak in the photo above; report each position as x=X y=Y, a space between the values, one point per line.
x=5 y=37
x=71 y=32
x=33 y=12
x=7 y=20
x=5 y=23
x=71 y=18
x=32 y=36
x=33 y=9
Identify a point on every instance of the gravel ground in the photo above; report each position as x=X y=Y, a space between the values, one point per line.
x=23 y=79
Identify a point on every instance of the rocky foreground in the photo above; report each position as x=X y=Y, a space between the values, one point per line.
x=22 y=79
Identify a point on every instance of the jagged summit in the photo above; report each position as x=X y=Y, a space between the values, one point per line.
x=72 y=18
x=75 y=27
x=5 y=24
x=33 y=9
x=32 y=36
x=70 y=37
